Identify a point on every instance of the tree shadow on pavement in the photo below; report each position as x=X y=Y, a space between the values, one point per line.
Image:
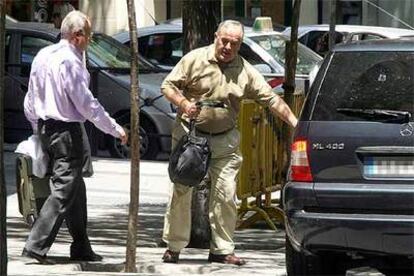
x=111 y=229
x=107 y=228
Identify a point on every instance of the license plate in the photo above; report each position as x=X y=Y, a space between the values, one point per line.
x=389 y=167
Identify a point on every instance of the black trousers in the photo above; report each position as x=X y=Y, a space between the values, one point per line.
x=64 y=142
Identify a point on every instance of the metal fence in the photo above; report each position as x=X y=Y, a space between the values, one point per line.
x=262 y=172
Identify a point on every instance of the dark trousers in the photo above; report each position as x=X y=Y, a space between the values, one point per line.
x=64 y=143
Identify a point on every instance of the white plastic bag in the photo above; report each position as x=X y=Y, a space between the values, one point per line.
x=33 y=148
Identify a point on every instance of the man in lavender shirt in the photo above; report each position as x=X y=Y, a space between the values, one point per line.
x=57 y=103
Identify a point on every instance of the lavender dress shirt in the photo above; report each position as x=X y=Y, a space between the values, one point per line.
x=58 y=89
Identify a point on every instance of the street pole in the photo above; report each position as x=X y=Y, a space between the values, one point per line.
x=3 y=192
x=130 y=264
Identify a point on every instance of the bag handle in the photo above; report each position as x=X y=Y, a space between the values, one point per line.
x=191 y=128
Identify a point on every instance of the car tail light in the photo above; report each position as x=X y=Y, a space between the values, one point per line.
x=276 y=81
x=300 y=169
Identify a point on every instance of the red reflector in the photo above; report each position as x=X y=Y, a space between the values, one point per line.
x=276 y=81
x=299 y=164
x=301 y=174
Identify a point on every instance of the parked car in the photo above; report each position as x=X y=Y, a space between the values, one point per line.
x=316 y=36
x=111 y=61
x=246 y=21
x=350 y=195
x=163 y=46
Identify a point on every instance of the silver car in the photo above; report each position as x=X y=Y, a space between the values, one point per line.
x=109 y=64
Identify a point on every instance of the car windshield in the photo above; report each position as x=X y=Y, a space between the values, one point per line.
x=275 y=45
x=106 y=52
x=367 y=86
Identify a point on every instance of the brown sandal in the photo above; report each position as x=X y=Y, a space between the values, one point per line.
x=226 y=259
x=170 y=256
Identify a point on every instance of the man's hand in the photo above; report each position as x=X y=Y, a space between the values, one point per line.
x=190 y=108
x=281 y=109
x=124 y=137
x=294 y=122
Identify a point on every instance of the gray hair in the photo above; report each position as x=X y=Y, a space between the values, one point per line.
x=74 y=22
x=230 y=23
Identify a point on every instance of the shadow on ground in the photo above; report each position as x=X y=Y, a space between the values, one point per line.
x=108 y=231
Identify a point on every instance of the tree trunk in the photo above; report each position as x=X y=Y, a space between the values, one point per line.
x=290 y=74
x=130 y=264
x=200 y=21
x=3 y=192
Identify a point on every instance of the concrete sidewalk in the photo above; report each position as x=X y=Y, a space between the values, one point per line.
x=108 y=198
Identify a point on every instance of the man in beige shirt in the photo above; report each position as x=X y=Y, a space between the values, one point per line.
x=214 y=73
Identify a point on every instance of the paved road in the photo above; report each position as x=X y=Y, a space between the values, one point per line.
x=108 y=198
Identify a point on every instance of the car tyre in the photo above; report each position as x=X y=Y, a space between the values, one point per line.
x=298 y=263
x=149 y=145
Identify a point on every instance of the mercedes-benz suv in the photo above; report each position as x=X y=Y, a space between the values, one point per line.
x=349 y=200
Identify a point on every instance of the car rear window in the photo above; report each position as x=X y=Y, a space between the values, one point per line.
x=366 y=81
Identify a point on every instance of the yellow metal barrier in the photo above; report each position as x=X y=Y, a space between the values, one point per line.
x=263 y=159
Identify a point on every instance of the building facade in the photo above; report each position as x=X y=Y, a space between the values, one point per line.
x=111 y=16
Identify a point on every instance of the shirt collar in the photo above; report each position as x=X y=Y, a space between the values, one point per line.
x=211 y=54
x=65 y=42
x=212 y=58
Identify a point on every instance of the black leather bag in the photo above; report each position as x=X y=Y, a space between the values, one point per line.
x=190 y=159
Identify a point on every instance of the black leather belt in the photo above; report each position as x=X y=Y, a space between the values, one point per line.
x=214 y=134
x=56 y=124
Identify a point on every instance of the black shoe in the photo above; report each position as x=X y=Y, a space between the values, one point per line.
x=42 y=259
x=90 y=257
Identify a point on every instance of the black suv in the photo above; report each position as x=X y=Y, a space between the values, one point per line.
x=349 y=200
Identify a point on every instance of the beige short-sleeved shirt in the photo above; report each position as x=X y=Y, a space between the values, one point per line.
x=198 y=76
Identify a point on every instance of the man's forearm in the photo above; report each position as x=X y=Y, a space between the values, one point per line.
x=175 y=97
x=282 y=110
x=190 y=108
